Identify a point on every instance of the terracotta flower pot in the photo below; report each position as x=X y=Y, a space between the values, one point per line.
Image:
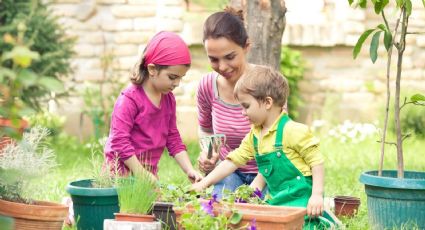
x=346 y=205
x=266 y=216
x=134 y=217
x=41 y=215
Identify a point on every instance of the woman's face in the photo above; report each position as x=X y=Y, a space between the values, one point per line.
x=226 y=57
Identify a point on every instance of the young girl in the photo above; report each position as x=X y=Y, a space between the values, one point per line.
x=144 y=117
x=287 y=154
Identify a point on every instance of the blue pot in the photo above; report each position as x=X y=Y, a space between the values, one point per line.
x=395 y=203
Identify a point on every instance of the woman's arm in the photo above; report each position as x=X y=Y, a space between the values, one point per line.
x=183 y=160
x=258 y=182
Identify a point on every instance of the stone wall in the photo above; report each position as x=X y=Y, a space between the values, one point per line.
x=325 y=33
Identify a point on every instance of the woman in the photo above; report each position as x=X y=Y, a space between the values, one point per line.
x=226 y=44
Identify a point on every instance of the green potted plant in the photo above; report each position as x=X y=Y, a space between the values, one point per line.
x=395 y=197
x=94 y=199
x=21 y=164
x=136 y=197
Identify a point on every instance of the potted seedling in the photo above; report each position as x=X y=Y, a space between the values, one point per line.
x=94 y=199
x=395 y=197
x=21 y=164
x=136 y=196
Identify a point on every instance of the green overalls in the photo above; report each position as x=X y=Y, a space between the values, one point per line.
x=286 y=184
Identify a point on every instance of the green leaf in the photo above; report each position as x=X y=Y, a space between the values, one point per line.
x=380 y=5
x=399 y=3
x=408 y=7
x=388 y=39
x=27 y=78
x=5 y=72
x=417 y=97
x=235 y=218
x=351 y=1
x=373 y=49
x=423 y=2
x=51 y=84
x=362 y=3
x=360 y=42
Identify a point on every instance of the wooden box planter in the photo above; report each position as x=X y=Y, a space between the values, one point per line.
x=92 y=205
x=266 y=216
x=40 y=215
x=394 y=202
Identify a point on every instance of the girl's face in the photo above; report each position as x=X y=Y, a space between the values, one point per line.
x=166 y=80
x=255 y=110
x=226 y=57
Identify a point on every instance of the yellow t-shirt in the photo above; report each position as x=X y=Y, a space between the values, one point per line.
x=299 y=144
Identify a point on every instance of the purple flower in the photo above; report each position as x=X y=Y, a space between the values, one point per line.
x=257 y=193
x=252 y=225
x=208 y=208
x=240 y=200
x=214 y=199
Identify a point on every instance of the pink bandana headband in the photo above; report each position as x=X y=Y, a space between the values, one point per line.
x=167 y=48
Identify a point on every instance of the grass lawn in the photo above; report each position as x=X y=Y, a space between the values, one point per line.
x=344 y=164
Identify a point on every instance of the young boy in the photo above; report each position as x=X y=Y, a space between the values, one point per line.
x=287 y=154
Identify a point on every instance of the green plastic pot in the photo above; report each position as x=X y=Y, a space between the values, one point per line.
x=395 y=203
x=92 y=205
x=6 y=223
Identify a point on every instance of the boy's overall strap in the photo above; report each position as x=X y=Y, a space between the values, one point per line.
x=279 y=133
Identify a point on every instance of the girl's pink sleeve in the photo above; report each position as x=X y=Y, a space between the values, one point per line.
x=122 y=122
x=174 y=141
x=204 y=98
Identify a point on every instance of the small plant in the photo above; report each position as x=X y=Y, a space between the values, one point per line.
x=53 y=122
x=244 y=194
x=137 y=194
x=22 y=162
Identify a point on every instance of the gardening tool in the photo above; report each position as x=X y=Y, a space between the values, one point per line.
x=212 y=143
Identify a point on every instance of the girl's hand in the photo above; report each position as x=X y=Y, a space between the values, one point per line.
x=194 y=176
x=207 y=165
x=315 y=206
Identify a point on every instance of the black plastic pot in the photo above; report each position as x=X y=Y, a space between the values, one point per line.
x=163 y=212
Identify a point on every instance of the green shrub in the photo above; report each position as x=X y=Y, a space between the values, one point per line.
x=42 y=34
x=292 y=67
x=53 y=122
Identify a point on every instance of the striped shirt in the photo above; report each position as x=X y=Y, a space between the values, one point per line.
x=218 y=117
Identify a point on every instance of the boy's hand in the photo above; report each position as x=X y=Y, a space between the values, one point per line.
x=198 y=187
x=194 y=176
x=315 y=206
x=207 y=165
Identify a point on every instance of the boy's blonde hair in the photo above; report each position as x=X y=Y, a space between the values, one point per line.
x=261 y=82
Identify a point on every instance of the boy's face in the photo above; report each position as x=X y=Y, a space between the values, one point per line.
x=255 y=110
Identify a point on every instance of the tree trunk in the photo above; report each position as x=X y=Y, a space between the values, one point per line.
x=265 y=22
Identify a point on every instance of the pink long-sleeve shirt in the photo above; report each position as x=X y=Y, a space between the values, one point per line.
x=140 y=128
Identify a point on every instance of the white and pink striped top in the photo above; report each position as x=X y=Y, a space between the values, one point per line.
x=218 y=117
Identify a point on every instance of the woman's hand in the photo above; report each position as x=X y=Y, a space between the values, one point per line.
x=315 y=206
x=194 y=176
x=207 y=165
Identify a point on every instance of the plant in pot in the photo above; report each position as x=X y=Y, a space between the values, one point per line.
x=21 y=164
x=95 y=199
x=395 y=197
